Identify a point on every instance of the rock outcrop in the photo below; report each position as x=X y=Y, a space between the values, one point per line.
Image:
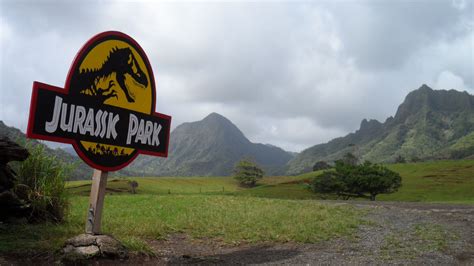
x=11 y=204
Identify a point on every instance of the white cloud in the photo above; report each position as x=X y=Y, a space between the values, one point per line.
x=447 y=80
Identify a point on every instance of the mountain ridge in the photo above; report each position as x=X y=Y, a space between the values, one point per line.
x=428 y=124
x=211 y=147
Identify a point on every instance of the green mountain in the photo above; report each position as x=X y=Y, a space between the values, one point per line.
x=81 y=170
x=429 y=124
x=210 y=147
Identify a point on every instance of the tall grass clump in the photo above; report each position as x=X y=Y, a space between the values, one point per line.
x=45 y=178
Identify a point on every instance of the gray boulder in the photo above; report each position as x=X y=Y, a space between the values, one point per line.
x=11 y=206
x=86 y=246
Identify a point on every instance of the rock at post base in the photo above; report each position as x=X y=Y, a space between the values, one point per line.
x=86 y=246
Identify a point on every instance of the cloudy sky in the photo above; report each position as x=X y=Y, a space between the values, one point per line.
x=292 y=74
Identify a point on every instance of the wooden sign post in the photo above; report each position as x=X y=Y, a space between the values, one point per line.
x=106 y=111
x=96 y=202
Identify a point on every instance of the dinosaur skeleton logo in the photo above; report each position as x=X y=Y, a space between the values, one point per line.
x=107 y=109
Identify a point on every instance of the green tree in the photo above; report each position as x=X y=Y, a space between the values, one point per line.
x=321 y=165
x=350 y=158
x=247 y=172
x=400 y=159
x=366 y=180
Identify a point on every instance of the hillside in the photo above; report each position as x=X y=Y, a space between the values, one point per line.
x=210 y=147
x=429 y=124
x=81 y=171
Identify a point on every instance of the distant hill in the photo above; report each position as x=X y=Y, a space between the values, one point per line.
x=82 y=171
x=210 y=147
x=429 y=124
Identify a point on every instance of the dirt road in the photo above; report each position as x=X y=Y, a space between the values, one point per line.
x=396 y=233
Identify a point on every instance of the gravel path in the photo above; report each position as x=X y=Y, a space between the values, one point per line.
x=396 y=233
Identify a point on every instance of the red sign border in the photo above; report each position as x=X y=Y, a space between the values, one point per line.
x=65 y=91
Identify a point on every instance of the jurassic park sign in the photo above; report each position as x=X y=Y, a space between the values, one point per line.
x=107 y=108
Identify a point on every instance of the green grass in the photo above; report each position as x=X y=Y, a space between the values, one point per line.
x=280 y=191
x=134 y=219
x=162 y=186
x=440 y=181
x=279 y=209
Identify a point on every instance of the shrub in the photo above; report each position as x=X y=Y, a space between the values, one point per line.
x=400 y=159
x=350 y=158
x=247 y=173
x=366 y=180
x=45 y=176
x=321 y=165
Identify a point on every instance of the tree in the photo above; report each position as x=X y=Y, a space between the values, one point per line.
x=366 y=180
x=321 y=165
x=415 y=159
x=400 y=159
x=350 y=158
x=247 y=173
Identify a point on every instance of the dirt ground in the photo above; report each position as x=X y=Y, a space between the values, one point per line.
x=395 y=233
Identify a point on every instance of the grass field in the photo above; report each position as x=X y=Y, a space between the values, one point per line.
x=136 y=218
x=440 y=181
x=279 y=209
x=161 y=186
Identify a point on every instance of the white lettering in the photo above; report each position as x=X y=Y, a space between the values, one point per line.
x=104 y=124
x=141 y=132
x=132 y=127
x=89 y=124
x=52 y=125
x=97 y=123
x=148 y=131
x=113 y=119
x=79 y=118
x=67 y=127
x=156 y=130
x=101 y=124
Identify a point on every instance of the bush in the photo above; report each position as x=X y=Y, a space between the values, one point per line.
x=321 y=165
x=350 y=159
x=328 y=182
x=400 y=159
x=366 y=180
x=45 y=177
x=247 y=173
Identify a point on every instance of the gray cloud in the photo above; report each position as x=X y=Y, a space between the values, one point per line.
x=384 y=34
x=293 y=75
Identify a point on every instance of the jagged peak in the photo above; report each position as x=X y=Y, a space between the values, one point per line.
x=370 y=122
x=425 y=87
x=216 y=118
x=214 y=115
x=369 y=125
x=425 y=98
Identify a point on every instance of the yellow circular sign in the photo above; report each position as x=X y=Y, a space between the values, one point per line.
x=107 y=109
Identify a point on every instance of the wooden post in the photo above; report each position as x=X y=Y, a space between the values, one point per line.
x=96 y=202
